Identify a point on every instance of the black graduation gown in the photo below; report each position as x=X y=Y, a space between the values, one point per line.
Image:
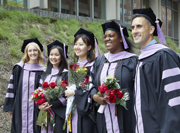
x=85 y=115
x=125 y=73
x=58 y=106
x=24 y=79
x=157 y=96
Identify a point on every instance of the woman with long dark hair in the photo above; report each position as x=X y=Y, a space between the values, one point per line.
x=24 y=80
x=57 y=69
x=121 y=64
x=83 y=118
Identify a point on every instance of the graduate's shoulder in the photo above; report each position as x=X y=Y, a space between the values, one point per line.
x=131 y=60
x=164 y=53
x=18 y=65
x=99 y=59
x=31 y=67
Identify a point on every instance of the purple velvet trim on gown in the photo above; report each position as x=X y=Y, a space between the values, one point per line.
x=118 y=56
x=150 y=50
x=27 y=107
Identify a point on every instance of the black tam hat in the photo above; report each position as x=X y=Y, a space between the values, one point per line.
x=27 y=41
x=92 y=37
x=157 y=23
x=89 y=34
x=149 y=14
x=61 y=45
x=119 y=29
x=115 y=27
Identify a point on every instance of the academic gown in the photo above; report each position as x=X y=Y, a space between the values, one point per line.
x=107 y=122
x=59 y=105
x=157 y=91
x=83 y=118
x=23 y=81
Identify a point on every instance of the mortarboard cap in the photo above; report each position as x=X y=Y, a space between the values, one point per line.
x=157 y=23
x=27 y=41
x=61 y=45
x=121 y=30
x=91 y=36
x=115 y=27
x=148 y=14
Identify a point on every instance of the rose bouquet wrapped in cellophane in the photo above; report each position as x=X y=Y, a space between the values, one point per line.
x=49 y=92
x=112 y=93
x=78 y=79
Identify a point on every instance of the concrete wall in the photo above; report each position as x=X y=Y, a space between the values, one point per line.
x=155 y=5
x=118 y=10
x=37 y=3
x=1 y=1
x=34 y=3
x=111 y=9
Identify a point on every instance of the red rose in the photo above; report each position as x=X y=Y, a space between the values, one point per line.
x=86 y=80
x=115 y=91
x=52 y=85
x=42 y=95
x=64 y=84
x=36 y=95
x=45 y=85
x=83 y=85
x=102 y=88
x=112 y=98
x=120 y=95
x=40 y=101
x=43 y=100
x=74 y=67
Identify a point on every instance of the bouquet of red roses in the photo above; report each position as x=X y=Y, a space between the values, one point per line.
x=111 y=92
x=49 y=92
x=38 y=97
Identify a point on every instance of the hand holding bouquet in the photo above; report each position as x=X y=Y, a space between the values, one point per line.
x=78 y=79
x=49 y=92
x=111 y=92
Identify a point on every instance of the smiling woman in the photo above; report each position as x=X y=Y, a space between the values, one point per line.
x=120 y=64
x=83 y=118
x=55 y=57
x=24 y=80
x=56 y=70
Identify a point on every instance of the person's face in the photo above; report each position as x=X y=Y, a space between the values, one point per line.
x=113 y=42
x=55 y=57
x=81 y=49
x=141 y=31
x=33 y=53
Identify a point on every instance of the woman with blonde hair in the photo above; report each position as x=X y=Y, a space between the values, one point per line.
x=23 y=81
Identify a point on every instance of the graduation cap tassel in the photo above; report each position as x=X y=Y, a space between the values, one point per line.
x=124 y=41
x=97 y=48
x=160 y=34
x=64 y=51
x=44 y=54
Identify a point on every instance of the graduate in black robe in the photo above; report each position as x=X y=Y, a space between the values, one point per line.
x=157 y=82
x=24 y=80
x=83 y=118
x=56 y=70
x=118 y=63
